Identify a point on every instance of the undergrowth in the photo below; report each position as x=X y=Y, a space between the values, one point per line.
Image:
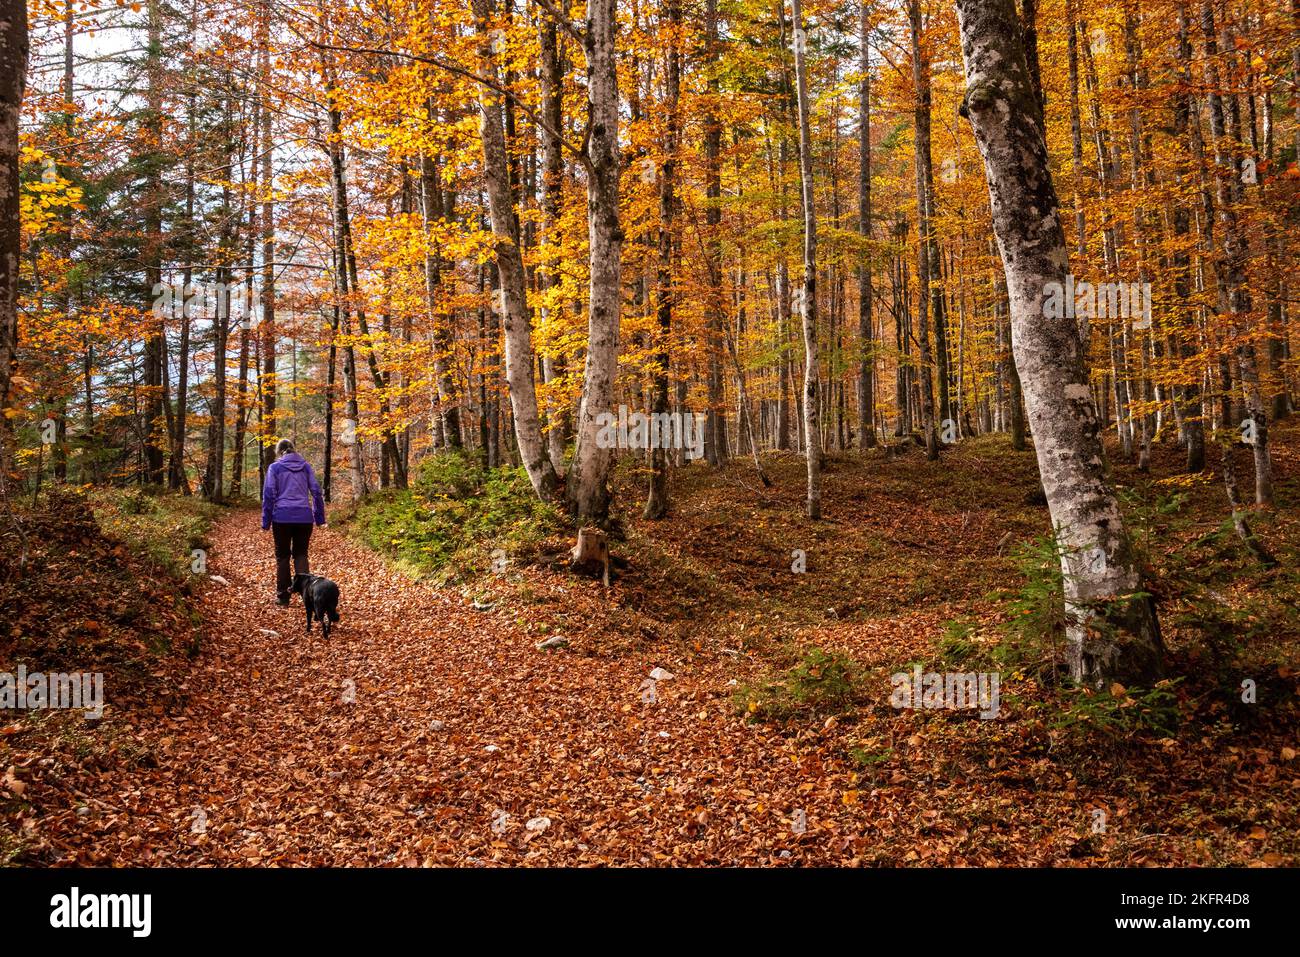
x=457 y=519
x=1217 y=607
x=821 y=683
x=163 y=527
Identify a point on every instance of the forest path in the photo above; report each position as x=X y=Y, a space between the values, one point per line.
x=404 y=738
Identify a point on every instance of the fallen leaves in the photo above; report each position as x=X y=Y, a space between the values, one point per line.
x=429 y=733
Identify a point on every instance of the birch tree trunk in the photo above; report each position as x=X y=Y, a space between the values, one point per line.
x=1112 y=630
x=808 y=303
x=587 y=486
x=212 y=471
x=511 y=301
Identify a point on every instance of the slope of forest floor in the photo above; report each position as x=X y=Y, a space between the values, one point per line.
x=93 y=583
x=431 y=730
x=917 y=562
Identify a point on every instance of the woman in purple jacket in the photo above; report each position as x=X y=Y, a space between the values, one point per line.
x=291 y=501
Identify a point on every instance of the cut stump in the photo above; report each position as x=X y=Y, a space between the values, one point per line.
x=591 y=554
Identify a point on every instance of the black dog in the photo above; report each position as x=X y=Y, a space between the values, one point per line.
x=320 y=597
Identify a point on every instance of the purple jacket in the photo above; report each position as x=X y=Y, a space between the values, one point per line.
x=291 y=493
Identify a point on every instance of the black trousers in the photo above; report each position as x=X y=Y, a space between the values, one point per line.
x=290 y=539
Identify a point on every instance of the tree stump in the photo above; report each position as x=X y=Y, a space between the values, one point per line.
x=591 y=554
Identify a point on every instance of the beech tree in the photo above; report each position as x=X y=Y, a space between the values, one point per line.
x=808 y=299
x=512 y=298
x=1113 y=631
x=587 y=487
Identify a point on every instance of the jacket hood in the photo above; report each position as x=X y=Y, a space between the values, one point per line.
x=292 y=461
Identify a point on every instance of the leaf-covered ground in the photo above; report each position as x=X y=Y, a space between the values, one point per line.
x=429 y=731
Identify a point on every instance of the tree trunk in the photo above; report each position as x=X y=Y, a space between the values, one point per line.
x=656 y=505
x=511 y=298
x=439 y=319
x=177 y=480
x=866 y=345
x=928 y=300
x=716 y=450
x=267 y=377
x=13 y=79
x=212 y=471
x=587 y=487
x=1112 y=630
x=155 y=347
x=1184 y=337
x=808 y=302
x=331 y=373
x=552 y=95
x=343 y=273
x=1230 y=264
x=242 y=405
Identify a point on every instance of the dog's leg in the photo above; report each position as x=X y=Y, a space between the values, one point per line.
x=308 y=617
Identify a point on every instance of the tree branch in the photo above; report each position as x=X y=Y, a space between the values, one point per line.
x=577 y=151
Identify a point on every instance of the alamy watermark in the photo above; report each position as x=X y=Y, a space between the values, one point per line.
x=652 y=430
x=75 y=909
x=1113 y=300
x=951 y=689
x=79 y=690
x=207 y=300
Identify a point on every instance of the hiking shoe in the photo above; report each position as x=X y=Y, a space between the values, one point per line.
x=283 y=599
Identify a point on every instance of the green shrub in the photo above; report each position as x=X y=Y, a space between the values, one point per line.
x=956 y=646
x=452 y=474
x=12 y=841
x=1119 y=711
x=821 y=683
x=164 y=527
x=455 y=515
x=1035 y=630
